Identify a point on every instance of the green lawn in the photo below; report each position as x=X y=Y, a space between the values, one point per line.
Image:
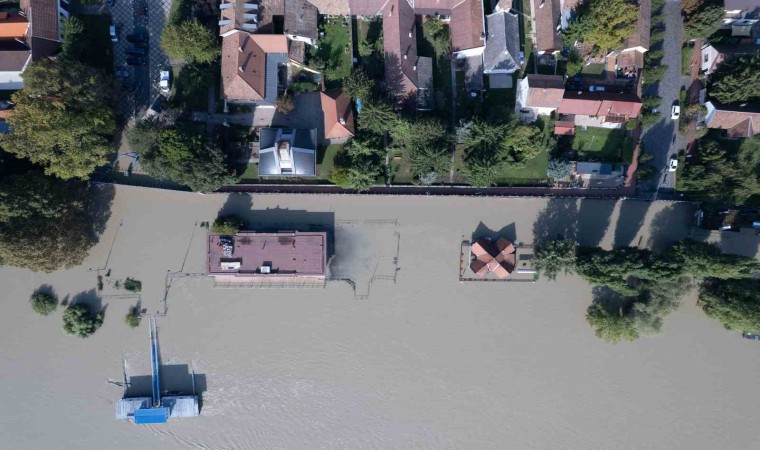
x=533 y=172
x=335 y=51
x=686 y=54
x=628 y=148
x=369 y=35
x=96 y=39
x=326 y=160
x=598 y=144
x=593 y=70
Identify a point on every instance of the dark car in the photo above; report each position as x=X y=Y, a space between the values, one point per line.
x=136 y=51
x=110 y=2
x=136 y=61
x=749 y=335
x=129 y=87
x=137 y=38
x=121 y=73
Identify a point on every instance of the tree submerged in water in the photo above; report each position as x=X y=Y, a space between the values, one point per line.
x=79 y=321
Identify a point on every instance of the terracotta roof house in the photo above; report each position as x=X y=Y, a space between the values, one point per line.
x=502 y=53
x=338 y=115
x=287 y=152
x=609 y=108
x=737 y=123
x=402 y=75
x=15 y=56
x=238 y=15
x=252 y=66
x=546 y=20
x=714 y=54
x=492 y=257
x=44 y=36
x=539 y=95
x=301 y=21
x=285 y=255
x=13 y=26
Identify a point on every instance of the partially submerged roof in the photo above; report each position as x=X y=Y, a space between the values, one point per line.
x=151 y=415
x=502 y=52
x=497 y=257
x=126 y=407
x=301 y=19
x=287 y=152
x=290 y=254
x=546 y=13
x=181 y=405
x=338 y=114
x=250 y=64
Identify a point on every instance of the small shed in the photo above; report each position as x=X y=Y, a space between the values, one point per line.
x=564 y=128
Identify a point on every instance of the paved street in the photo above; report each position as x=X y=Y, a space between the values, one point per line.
x=659 y=139
x=130 y=17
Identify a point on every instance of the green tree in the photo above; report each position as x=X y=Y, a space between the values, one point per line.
x=79 y=321
x=611 y=327
x=357 y=84
x=183 y=156
x=229 y=224
x=43 y=304
x=737 y=80
x=426 y=160
x=437 y=33
x=701 y=259
x=734 y=303
x=132 y=319
x=377 y=117
x=144 y=135
x=704 y=20
x=525 y=142
x=553 y=257
x=604 y=24
x=190 y=41
x=72 y=30
x=559 y=169
x=45 y=223
x=63 y=120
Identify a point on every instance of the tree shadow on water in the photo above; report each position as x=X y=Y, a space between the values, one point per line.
x=593 y=221
x=630 y=219
x=98 y=209
x=558 y=220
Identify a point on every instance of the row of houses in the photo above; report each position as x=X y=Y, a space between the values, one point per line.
x=31 y=33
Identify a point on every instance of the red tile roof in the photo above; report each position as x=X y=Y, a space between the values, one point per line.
x=546 y=13
x=400 y=45
x=564 y=128
x=466 y=26
x=43 y=15
x=545 y=91
x=244 y=63
x=736 y=123
x=600 y=104
x=335 y=106
x=13 y=26
x=497 y=257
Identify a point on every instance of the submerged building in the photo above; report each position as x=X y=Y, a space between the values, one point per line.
x=157 y=408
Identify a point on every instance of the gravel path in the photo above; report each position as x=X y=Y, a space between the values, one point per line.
x=659 y=139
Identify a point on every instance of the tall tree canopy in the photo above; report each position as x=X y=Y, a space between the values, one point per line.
x=723 y=172
x=604 y=24
x=190 y=41
x=63 y=119
x=737 y=80
x=48 y=224
x=182 y=155
x=702 y=18
x=735 y=303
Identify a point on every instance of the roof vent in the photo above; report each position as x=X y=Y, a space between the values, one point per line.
x=240 y=68
x=410 y=34
x=240 y=49
x=265 y=269
x=342 y=121
x=414 y=68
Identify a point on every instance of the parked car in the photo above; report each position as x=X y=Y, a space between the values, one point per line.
x=137 y=38
x=573 y=86
x=121 y=73
x=596 y=88
x=113 y=33
x=673 y=164
x=110 y=3
x=136 y=61
x=749 y=335
x=136 y=51
x=165 y=81
x=675 y=113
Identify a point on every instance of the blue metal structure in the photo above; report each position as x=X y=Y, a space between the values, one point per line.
x=152 y=415
x=154 y=369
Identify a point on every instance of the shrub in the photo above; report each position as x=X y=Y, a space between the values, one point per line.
x=559 y=169
x=43 y=304
x=646 y=172
x=230 y=224
x=645 y=157
x=285 y=103
x=133 y=317
x=132 y=285
x=80 y=322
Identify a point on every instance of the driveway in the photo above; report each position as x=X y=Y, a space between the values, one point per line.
x=663 y=139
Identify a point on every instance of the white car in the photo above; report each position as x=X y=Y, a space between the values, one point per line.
x=675 y=112
x=673 y=165
x=164 y=82
x=112 y=32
